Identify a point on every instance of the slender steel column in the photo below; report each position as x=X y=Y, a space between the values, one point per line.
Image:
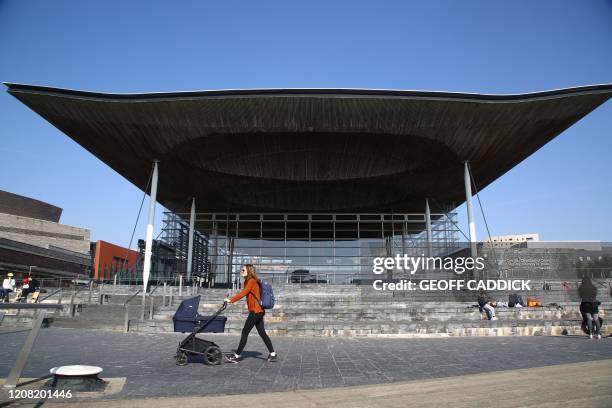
x=191 y=236
x=470 y=210
x=146 y=270
x=428 y=226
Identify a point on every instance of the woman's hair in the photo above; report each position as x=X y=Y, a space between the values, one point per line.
x=251 y=273
x=586 y=282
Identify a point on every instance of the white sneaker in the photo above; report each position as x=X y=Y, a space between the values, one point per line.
x=599 y=337
x=591 y=336
x=494 y=318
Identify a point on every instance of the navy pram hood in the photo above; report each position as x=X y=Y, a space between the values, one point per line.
x=186 y=318
x=188 y=309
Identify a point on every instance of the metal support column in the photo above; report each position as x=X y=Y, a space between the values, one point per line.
x=470 y=209
x=428 y=227
x=149 y=236
x=191 y=237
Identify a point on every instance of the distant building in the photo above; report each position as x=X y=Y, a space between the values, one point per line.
x=32 y=237
x=507 y=241
x=109 y=259
x=577 y=245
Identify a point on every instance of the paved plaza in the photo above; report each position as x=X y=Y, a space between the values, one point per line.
x=146 y=360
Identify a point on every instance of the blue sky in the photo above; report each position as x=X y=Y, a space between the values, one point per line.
x=563 y=191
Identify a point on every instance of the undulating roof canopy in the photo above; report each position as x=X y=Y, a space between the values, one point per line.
x=311 y=150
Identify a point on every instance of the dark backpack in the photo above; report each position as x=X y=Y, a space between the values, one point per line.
x=267 y=295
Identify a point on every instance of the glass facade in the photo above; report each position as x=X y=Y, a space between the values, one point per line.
x=331 y=248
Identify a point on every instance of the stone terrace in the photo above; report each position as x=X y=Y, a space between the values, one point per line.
x=337 y=310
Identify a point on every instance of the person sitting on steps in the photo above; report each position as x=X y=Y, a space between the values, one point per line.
x=485 y=305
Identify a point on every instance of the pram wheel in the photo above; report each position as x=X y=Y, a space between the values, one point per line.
x=181 y=358
x=212 y=355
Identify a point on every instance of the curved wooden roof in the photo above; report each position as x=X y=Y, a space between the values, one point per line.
x=297 y=150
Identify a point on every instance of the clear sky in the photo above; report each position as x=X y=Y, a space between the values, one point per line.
x=563 y=191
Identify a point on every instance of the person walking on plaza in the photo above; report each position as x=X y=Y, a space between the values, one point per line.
x=8 y=285
x=589 y=307
x=252 y=291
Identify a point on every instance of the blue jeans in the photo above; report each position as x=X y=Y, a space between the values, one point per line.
x=488 y=309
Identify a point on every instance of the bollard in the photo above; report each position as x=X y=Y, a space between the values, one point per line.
x=143 y=305
x=126 y=323
x=115 y=285
x=180 y=285
x=164 y=296
x=170 y=297
x=90 y=290
x=59 y=300
x=151 y=309
x=72 y=304
x=101 y=294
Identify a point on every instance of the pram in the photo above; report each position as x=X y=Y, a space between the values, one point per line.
x=188 y=319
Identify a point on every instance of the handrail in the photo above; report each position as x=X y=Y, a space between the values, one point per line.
x=34 y=306
x=49 y=295
x=125 y=305
x=152 y=303
x=132 y=297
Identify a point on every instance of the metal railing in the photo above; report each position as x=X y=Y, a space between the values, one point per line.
x=49 y=295
x=26 y=349
x=125 y=306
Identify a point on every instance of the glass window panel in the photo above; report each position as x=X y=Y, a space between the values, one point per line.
x=273 y=234
x=297 y=252
x=250 y=217
x=298 y=244
x=322 y=251
x=297 y=226
x=346 y=226
x=302 y=235
x=346 y=235
x=321 y=235
x=346 y=251
x=367 y=234
x=349 y=243
x=273 y=216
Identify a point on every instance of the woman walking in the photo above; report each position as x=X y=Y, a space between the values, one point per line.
x=252 y=291
x=589 y=307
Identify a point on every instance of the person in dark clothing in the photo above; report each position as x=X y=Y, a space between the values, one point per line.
x=589 y=307
x=252 y=291
x=485 y=306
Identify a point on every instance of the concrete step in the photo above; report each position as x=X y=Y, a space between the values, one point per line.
x=468 y=314
x=408 y=328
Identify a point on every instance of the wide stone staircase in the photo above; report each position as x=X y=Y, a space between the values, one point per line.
x=337 y=310
x=320 y=310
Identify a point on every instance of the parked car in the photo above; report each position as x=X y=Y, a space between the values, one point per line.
x=301 y=276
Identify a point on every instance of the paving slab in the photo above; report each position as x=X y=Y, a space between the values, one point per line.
x=563 y=385
x=147 y=363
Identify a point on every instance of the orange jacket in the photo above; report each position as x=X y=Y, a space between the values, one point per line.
x=253 y=291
